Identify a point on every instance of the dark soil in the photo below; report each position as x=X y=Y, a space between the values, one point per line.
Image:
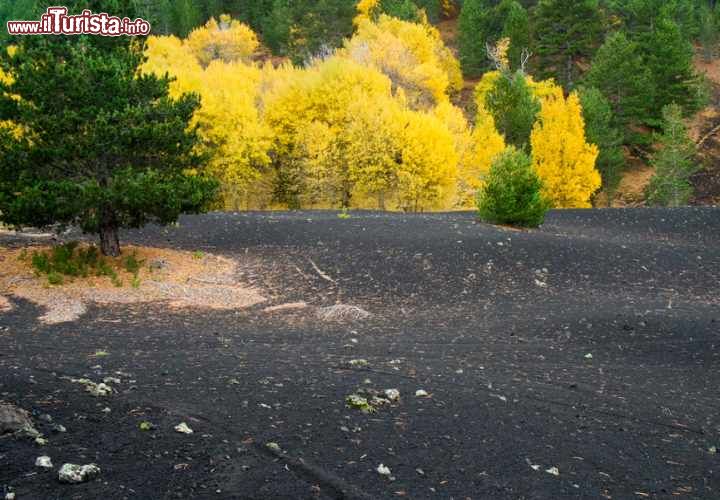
x=495 y=324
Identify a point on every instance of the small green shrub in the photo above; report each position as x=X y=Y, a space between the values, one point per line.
x=132 y=264
x=69 y=260
x=55 y=278
x=513 y=192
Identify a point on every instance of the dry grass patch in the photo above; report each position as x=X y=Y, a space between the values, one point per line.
x=141 y=274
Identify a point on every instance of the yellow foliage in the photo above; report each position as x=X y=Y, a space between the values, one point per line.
x=230 y=123
x=428 y=172
x=335 y=133
x=366 y=10
x=412 y=55
x=373 y=136
x=168 y=55
x=228 y=40
x=228 y=119
x=14 y=129
x=485 y=145
x=562 y=158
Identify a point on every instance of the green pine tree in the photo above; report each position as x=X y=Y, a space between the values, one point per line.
x=669 y=57
x=475 y=32
x=513 y=192
x=674 y=162
x=601 y=130
x=516 y=27
x=566 y=32
x=186 y=16
x=514 y=108
x=620 y=73
x=102 y=146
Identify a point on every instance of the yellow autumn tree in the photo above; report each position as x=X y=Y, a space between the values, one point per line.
x=230 y=124
x=561 y=156
x=485 y=146
x=373 y=135
x=227 y=40
x=476 y=149
x=427 y=175
x=366 y=10
x=321 y=94
x=168 y=55
x=228 y=119
x=412 y=55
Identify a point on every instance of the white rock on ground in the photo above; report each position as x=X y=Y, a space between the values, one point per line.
x=183 y=428
x=420 y=393
x=45 y=462
x=342 y=312
x=383 y=470
x=392 y=394
x=75 y=474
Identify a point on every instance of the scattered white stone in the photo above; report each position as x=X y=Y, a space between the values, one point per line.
x=392 y=394
x=713 y=449
x=534 y=467
x=106 y=410
x=97 y=390
x=541 y=284
x=112 y=380
x=342 y=312
x=273 y=447
x=10 y=496
x=41 y=441
x=183 y=428
x=588 y=356
x=45 y=462
x=420 y=393
x=74 y=474
x=359 y=363
x=383 y=470
x=553 y=470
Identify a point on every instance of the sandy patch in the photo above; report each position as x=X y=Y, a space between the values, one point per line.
x=291 y=306
x=183 y=279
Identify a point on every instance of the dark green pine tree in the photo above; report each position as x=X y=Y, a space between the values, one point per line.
x=566 y=32
x=474 y=34
x=102 y=146
x=516 y=27
x=674 y=162
x=619 y=72
x=601 y=130
x=186 y=16
x=513 y=192
x=514 y=108
x=669 y=56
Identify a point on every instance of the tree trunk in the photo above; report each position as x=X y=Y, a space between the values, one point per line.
x=109 y=241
